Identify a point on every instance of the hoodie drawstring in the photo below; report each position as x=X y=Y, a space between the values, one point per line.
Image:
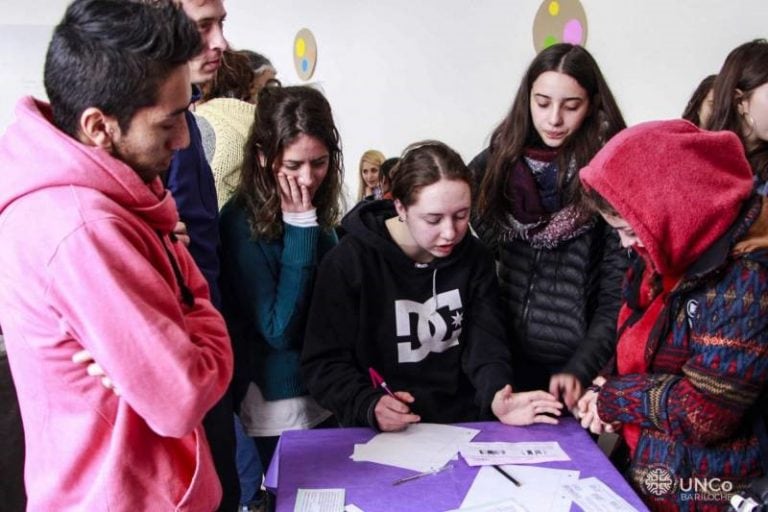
x=187 y=297
x=434 y=288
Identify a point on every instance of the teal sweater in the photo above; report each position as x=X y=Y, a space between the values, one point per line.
x=266 y=287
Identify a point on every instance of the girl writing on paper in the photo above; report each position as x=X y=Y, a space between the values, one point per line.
x=409 y=293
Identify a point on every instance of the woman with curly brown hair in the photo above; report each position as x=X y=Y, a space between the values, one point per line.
x=275 y=230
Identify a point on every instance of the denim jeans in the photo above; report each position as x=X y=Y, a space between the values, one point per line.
x=249 y=468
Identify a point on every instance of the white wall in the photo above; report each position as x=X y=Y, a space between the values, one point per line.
x=396 y=71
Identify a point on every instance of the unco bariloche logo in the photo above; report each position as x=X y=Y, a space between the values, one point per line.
x=432 y=330
x=658 y=480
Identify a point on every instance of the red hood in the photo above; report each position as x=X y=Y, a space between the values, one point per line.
x=680 y=188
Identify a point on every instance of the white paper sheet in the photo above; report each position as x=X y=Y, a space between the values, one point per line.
x=510 y=505
x=421 y=447
x=486 y=454
x=319 y=500
x=592 y=495
x=540 y=489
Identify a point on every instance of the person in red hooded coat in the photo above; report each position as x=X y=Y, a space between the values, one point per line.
x=691 y=363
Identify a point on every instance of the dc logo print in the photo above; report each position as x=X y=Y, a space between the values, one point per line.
x=431 y=328
x=658 y=480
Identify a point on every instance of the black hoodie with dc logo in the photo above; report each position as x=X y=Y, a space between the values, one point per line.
x=433 y=329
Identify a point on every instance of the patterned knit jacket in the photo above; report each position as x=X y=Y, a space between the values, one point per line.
x=692 y=357
x=699 y=403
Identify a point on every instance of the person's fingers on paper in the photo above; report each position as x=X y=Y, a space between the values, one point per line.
x=525 y=408
x=542 y=396
x=546 y=411
x=547 y=407
x=545 y=418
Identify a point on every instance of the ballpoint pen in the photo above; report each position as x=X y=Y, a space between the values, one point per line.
x=419 y=475
x=378 y=382
x=507 y=475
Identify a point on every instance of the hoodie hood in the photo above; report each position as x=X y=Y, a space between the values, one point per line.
x=679 y=188
x=366 y=222
x=35 y=155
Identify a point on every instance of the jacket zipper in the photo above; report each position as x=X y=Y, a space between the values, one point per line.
x=529 y=290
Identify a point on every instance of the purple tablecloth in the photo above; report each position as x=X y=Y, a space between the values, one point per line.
x=319 y=458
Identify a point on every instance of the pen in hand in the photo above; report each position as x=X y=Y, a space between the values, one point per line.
x=378 y=382
x=507 y=475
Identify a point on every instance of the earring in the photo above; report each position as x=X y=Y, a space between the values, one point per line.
x=748 y=119
x=400 y=219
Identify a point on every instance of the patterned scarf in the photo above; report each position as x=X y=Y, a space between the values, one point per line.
x=644 y=317
x=537 y=216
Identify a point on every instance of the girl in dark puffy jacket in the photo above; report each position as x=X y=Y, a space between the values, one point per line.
x=560 y=266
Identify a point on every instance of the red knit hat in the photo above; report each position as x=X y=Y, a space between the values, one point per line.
x=679 y=188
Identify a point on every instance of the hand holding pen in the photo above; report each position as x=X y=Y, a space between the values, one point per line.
x=392 y=411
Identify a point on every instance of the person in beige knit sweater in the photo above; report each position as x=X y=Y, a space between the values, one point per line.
x=225 y=116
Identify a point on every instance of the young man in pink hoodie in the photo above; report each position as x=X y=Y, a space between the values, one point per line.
x=90 y=264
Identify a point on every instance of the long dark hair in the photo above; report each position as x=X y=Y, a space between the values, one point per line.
x=693 y=107
x=233 y=78
x=517 y=132
x=282 y=114
x=745 y=69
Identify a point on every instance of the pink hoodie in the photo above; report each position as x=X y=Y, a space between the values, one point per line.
x=85 y=267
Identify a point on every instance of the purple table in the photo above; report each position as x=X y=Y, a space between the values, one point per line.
x=320 y=459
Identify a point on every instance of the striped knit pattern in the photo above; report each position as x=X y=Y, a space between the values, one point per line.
x=696 y=404
x=231 y=120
